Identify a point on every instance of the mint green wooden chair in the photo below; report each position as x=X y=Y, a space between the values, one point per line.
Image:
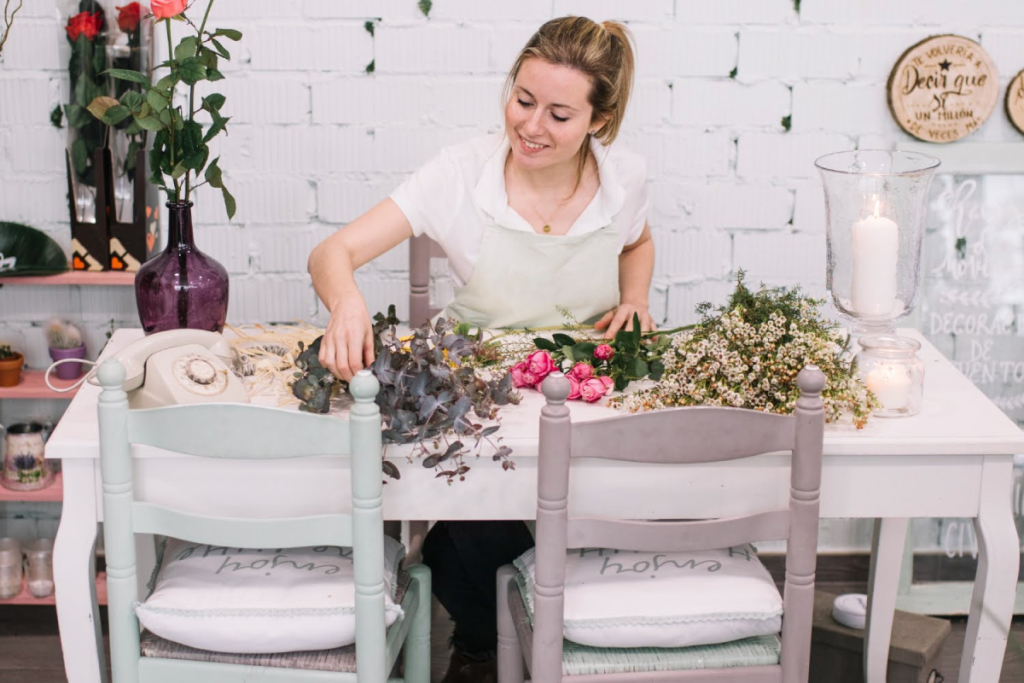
x=242 y=431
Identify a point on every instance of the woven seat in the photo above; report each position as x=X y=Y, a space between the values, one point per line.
x=580 y=660
x=339 y=659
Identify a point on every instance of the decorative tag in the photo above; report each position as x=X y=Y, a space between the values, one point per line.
x=943 y=88
x=1015 y=102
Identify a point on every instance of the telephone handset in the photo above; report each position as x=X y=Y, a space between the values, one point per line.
x=179 y=366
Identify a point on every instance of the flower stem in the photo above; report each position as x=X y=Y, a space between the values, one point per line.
x=192 y=93
x=170 y=128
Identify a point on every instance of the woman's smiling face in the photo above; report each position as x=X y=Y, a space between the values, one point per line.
x=547 y=115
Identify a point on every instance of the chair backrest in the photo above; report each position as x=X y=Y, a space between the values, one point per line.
x=680 y=435
x=421 y=250
x=241 y=431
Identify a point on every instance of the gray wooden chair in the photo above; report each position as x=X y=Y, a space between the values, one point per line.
x=242 y=431
x=682 y=435
x=421 y=250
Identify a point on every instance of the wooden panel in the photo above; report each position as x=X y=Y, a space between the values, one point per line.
x=683 y=435
x=51 y=494
x=678 y=536
x=243 y=533
x=73 y=277
x=32 y=385
x=258 y=432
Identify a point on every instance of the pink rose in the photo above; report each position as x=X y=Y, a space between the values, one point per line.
x=522 y=377
x=582 y=371
x=593 y=389
x=574 y=388
x=608 y=382
x=165 y=9
x=540 y=364
x=604 y=352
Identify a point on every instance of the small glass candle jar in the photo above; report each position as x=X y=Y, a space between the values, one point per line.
x=40 y=567
x=890 y=368
x=10 y=568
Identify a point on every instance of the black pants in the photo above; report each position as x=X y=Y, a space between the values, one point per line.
x=464 y=558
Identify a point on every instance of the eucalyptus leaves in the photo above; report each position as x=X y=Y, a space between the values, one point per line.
x=181 y=147
x=429 y=396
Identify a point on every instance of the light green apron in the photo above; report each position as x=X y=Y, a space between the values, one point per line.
x=523 y=278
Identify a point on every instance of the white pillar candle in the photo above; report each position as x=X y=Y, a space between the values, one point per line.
x=876 y=249
x=890 y=384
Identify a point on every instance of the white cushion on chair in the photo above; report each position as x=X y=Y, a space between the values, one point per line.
x=640 y=599
x=260 y=601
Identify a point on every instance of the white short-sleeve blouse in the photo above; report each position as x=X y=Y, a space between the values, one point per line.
x=453 y=195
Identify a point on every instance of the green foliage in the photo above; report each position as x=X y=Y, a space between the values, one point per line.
x=735 y=70
x=637 y=355
x=429 y=396
x=87 y=81
x=425 y=6
x=787 y=122
x=369 y=27
x=180 y=152
x=57 y=117
x=372 y=66
x=5 y=351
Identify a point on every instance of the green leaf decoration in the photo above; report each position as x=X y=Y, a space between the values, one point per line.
x=221 y=50
x=218 y=125
x=214 y=101
x=129 y=75
x=116 y=115
x=369 y=27
x=214 y=75
x=190 y=70
x=584 y=350
x=165 y=84
x=77 y=116
x=196 y=160
x=57 y=117
x=372 y=66
x=563 y=339
x=425 y=6
x=34 y=252
x=545 y=344
x=178 y=170
x=229 y=33
x=186 y=48
x=156 y=100
x=79 y=156
x=192 y=138
x=209 y=58
x=149 y=123
x=229 y=202
x=213 y=174
x=133 y=100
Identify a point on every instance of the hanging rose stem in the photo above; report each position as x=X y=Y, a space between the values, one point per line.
x=8 y=22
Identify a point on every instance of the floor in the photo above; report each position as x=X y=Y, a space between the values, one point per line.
x=30 y=648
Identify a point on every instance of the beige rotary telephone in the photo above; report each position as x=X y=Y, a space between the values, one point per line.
x=179 y=366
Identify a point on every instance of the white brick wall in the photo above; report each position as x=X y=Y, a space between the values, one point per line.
x=315 y=140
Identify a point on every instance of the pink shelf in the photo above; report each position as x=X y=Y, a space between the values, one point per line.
x=33 y=386
x=26 y=598
x=54 y=493
x=74 y=277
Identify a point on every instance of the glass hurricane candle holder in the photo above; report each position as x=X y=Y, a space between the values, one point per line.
x=10 y=568
x=890 y=368
x=40 y=567
x=875 y=203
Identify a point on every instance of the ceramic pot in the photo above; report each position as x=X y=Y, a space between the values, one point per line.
x=24 y=467
x=10 y=370
x=68 y=370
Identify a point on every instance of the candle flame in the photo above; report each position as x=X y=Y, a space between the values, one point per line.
x=878 y=203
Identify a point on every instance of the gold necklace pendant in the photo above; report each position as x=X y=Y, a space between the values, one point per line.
x=546 y=228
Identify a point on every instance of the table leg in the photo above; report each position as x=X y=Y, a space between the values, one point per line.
x=995 y=586
x=75 y=577
x=883 y=584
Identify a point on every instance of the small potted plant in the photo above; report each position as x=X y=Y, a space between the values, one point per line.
x=10 y=366
x=65 y=341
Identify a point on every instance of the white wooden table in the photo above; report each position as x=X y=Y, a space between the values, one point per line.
x=955 y=459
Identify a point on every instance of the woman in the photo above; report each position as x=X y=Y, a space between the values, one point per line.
x=546 y=216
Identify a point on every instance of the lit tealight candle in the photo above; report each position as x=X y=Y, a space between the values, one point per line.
x=890 y=384
x=876 y=249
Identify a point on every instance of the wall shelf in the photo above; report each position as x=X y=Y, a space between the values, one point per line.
x=54 y=493
x=26 y=598
x=74 y=277
x=32 y=385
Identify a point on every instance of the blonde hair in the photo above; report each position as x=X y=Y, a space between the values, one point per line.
x=602 y=52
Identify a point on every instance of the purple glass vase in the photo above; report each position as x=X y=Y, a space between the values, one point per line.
x=181 y=287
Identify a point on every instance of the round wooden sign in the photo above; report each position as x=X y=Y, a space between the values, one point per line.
x=1015 y=102
x=943 y=88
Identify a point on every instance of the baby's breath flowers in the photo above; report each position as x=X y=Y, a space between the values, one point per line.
x=747 y=354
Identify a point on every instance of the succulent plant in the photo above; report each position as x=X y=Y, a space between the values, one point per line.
x=5 y=351
x=61 y=334
x=428 y=395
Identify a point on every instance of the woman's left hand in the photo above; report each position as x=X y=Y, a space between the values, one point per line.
x=621 y=317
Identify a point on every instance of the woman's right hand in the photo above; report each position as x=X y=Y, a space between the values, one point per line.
x=347 y=346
